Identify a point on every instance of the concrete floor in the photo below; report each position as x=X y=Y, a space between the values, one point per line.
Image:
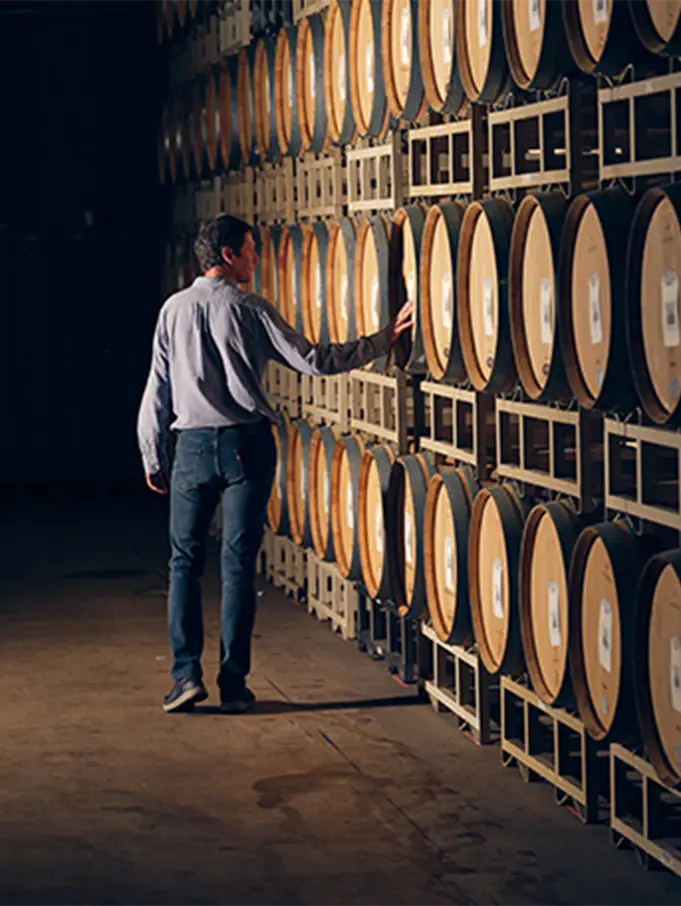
x=341 y=788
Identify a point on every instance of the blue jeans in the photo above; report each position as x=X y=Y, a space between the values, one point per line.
x=238 y=464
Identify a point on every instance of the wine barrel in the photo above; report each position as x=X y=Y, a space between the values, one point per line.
x=245 y=103
x=437 y=51
x=600 y=35
x=185 y=122
x=200 y=128
x=546 y=548
x=533 y=296
x=340 y=284
x=482 y=295
x=322 y=449
x=277 y=507
x=658 y=25
x=310 y=83
x=406 y=506
x=367 y=90
x=372 y=252
x=374 y=478
x=536 y=47
x=347 y=462
x=229 y=121
x=658 y=664
x=480 y=49
x=653 y=333
x=313 y=283
x=268 y=264
x=285 y=106
x=437 y=290
x=400 y=55
x=451 y=493
x=297 y=482
x=604 y=575
x=404 y=279
x=290 y=273
x=340 y=118
x=263 y=88
x=592 y=313
x=497 y=519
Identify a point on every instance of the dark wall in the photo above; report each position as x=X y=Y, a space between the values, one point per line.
x=79 y=236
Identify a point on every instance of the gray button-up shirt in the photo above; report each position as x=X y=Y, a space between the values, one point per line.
x=211 y=344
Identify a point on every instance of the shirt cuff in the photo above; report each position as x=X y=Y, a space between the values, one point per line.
x=381 y=343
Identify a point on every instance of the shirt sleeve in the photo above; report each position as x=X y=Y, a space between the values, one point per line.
x=288 y=347
x=156 y=409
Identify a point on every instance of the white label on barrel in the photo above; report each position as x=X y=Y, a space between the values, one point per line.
x=294 y=298
x=488 y=307
x=535 y=18
x=341 y=77
x=404 y=36
x=605 y=635
x=302 y=475
x=546 y=314
x=449 y=563
x=595 y=321
x=344 y=297
x=482 y=23
x=447 y=300
x=670 y=308
x=370 y=68
x=408 y=538
x=497 y=589
x=447 y=34
x=318 y=286
x=290 y=87
x=268 y=102
x=375 y=308
x=327 y=492
x=411 y=286
x=349 y=506
x=379 y=527
x=313 y=88
x=675 y=677
x=554 y=615
x=600 y=11
x=277 y=478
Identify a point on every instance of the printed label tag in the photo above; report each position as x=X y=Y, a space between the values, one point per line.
x=482 y=23
x=595 y=321
x=375 y=307
x=370 y=68
x=447 y=35
x=379 y=528
x=341 y=77
x=327 y=492
x=670 y=308
x=535 y=18
x=290 y=88
x=449 y=563
x=313 y=87
x=554 y=615
x=404 y=36
x=302 y=476
x=546 y=313
x=268 y=102
x=605 y=635
x=408 y=539
x=318 y=286
x=497 y=589
x=344 y=297
x=675 y=675
x=349 y=506
x=488 y=307
x=447 y=300
x=600 y=12
x=411 y=286
x=277 y=477
x=294 y=297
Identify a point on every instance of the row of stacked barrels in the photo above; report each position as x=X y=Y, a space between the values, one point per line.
x=362 y=65
x=574 y=300
x=590 y=610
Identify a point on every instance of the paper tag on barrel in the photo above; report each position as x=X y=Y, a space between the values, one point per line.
x=404 y=36
x=447 y=300
x=675 y=675
x=497 y=589
x=349 y=506
x=670 y=308
x=370 y=68
x=482 y=23
x=408 y=539
x=313 y=88
x=379 y=527
x=327 y=492
x=546 y=314
x=344 y=297
x=447 y=35
x=554 y=615
x=449 y=563
x=488 y=306
x=535 y=17
x=341 y=77
x=595 y=319
x=375 y=308
x=600 y=11
x=318 y=286
x=605 y=635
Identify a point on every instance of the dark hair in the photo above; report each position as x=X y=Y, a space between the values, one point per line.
x=214 y=235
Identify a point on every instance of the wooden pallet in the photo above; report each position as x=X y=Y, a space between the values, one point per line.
x=551 y=744
x=265 y=561
x=396 y=640
x=331 y=597
x=620 y=107
x=289 y=569
x=235 y=26
x=238 y=194
x=322 y=185
x=644 y=813
x=447 y=159
x=326 y=400
x=275 y=193
x=383 y=406
x=550 y=447
x=458 y=425
x=302 y=8
x=376 y=176
x=282 y=388
x=548 y=143
x=461 y=685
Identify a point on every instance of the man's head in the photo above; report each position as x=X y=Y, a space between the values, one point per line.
x=225 y=248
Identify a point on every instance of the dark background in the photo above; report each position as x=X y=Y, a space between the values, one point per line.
x=80 y=235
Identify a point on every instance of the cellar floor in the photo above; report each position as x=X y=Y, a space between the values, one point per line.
x=341 y=788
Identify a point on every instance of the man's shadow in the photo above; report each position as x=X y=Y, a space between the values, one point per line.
x=276 y=706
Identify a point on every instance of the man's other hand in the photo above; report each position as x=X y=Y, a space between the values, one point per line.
x=402 y=322
x=158 y=482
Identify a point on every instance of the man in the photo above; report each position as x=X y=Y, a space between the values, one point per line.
x=210 y=348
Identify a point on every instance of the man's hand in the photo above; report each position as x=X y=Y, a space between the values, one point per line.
x=402 y=322
x=158 y=482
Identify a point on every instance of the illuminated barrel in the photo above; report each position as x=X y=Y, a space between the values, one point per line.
x=340 y=281
x=340 y=117
x=367 y=89
x=437 y=52
x=372 y=300
x=285 y=106
x=347 y=463
x=405 y=282
x=263 y=88
x=322 y=449
x=310 y=83
x=536 y=47
x=277 y=507
x=297 y=482
x=480 y=53
x=400 y=55
x=313 y=283
x=374 y=479
x=600 y=35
